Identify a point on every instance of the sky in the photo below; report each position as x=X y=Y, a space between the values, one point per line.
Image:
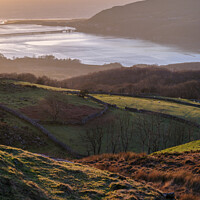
x=39 y=9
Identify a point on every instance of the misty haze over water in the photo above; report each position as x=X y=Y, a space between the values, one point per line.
x=89 y=49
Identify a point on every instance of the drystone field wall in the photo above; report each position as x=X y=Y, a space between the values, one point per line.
x=151 y=97
x=39 y=127
x=95 y=115
x=135 y=110
x=172 y=117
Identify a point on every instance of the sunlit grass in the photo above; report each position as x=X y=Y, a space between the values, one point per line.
x=28 y=176
x=22 y=96
x=187 y=112
x=44 y=86
x=191 y=146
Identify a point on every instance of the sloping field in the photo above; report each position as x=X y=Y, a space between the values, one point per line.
x=20 y=94
x=29 y=100
x=109 y=129
x=18 y=133
x=28 y=176
x=179 y=110
x=170 y=172
x=191 y=146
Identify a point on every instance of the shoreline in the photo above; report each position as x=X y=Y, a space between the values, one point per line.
x=74 y=23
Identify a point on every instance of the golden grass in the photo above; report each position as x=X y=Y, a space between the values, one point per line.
x=24 y=175
x=187 y=112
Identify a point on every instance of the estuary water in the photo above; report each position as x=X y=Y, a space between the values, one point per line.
x=36 y=40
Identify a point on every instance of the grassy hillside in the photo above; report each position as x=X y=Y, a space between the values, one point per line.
x=50 y=67
x=172 y=22
x=142 y=80
x=183 y=111
x=21 y=94
x=191 y=146
x=30 y=99
x=18 y=133
x=170 y=172
x=73 y=135
x=28 y=176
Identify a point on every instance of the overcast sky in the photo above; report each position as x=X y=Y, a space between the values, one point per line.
x=10 y=9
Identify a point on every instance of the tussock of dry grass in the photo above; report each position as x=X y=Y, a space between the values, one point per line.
x=121 y=156
x=181 y=178
x=188 y=197
x=28 y=176
x=170 y=172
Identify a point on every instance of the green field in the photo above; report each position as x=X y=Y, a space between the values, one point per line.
x=43 y=86
x=191 y=101
x=18 y=95
x=191 y=146
x=179 y=110
x=72 y=135
x=18 y=133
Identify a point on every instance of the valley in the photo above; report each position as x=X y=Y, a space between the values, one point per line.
x=100 y=102
x=16 y=95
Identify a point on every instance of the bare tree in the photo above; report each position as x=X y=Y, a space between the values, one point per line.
x=149 y=132
x=93 y=139
x=54 y=102
x=112 y=138
x=126 y=131
x=142 y=131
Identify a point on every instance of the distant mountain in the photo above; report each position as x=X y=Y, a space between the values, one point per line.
x=173 y=22
x=43 y=9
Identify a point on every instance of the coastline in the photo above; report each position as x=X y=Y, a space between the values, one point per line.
x=180 y=43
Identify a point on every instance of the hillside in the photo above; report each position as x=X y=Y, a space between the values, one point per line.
x=171 y=22
x=18 y=133
x=54 y=9
x=172 y=170
x=61 y=112
x=142 y=80
x=162 y=106
x=191 y=146
x=28 y=176
x=36 y=104
x=97 y=134
x=50 y=67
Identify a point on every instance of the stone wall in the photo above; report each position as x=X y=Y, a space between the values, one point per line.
x=151 y=97
x=41 y=128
